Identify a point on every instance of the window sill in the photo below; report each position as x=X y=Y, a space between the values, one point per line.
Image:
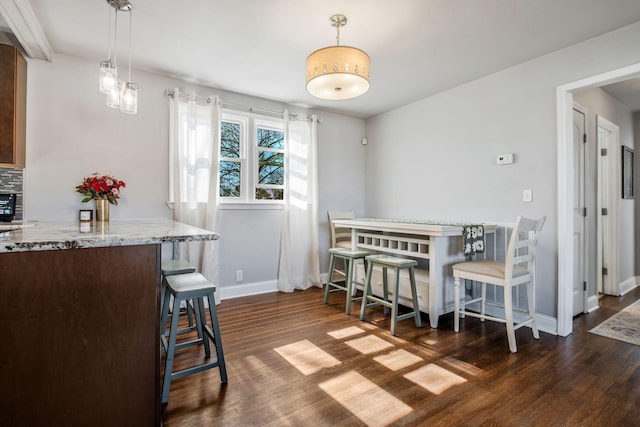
x=252 y=206
x=266 y=206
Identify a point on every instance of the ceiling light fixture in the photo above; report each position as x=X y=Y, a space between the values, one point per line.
x=338 y=72
x=120 y=94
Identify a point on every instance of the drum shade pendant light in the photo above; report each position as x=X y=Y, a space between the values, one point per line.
x=120 y=94
x=338 y=72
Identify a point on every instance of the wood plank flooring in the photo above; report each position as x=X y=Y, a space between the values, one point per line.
x=436 y=377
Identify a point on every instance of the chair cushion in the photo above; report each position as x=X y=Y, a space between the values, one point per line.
x=487 y=268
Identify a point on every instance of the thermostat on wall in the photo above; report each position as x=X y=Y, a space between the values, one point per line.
x=505 y=159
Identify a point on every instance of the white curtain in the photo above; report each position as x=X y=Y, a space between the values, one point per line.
x=194 y=135
x=299 y=250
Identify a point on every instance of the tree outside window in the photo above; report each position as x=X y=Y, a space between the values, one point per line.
x=252 y=159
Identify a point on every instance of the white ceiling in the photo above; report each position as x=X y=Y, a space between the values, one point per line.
x=258 y=47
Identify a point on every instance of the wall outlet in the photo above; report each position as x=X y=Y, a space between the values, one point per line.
x=238 y=275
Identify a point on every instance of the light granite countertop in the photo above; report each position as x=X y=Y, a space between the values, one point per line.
x=56 y=235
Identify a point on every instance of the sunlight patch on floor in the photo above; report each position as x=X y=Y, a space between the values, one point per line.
x=346 y=332
x=306 y=357
x=461 y=366
x=370 y=403
x=397 y=359
x=369 y=344
x=434 y=378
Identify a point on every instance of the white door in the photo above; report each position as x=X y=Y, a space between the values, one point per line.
x=579 y=276
x=608 y=154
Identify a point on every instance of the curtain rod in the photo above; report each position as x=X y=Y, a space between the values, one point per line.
x=171 y=93
x=262 y=111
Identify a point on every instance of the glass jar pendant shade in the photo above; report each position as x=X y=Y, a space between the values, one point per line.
x=114 y=95
x=338 y=72
x=108 y=76
x=129 y=98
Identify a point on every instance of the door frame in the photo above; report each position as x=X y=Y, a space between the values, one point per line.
x=564 y=109
x=582 y=188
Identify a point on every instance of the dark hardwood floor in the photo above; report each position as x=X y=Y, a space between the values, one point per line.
x=293 y=361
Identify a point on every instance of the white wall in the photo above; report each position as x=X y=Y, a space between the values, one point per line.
x=71 y=133
x=435 y=159
x=599 y=103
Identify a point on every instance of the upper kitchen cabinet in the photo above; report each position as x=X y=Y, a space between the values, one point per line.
x=13 y=107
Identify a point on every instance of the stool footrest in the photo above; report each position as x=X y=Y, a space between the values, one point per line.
x=194 y=370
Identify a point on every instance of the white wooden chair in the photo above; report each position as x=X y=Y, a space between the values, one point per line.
x=340 y=236
x=517 y=269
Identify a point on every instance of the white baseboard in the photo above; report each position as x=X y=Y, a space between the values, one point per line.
x=547 y=324
x=592 y=303
x=246 y=289
x=628 y=285
x=324 y=277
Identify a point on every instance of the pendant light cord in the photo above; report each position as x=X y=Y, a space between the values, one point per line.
x=109 y=39
x=130 y=19
x=115 y=41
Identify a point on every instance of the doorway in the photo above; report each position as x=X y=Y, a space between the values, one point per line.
x=566 y=187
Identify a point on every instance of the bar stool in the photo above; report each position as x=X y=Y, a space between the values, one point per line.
x=349 y=258
x=196 y=287
x=386 y=261
x=172 y=267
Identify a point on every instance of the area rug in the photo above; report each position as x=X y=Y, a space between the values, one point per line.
x=622 y=326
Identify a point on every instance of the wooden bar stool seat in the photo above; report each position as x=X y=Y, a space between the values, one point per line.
x=172 y=267
x=195 y=287
x=397 y=264
x=349 y=258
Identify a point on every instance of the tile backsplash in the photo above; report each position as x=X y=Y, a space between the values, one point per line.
x=11 y=181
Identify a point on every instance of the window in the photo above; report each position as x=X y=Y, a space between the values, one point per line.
x=252 y=159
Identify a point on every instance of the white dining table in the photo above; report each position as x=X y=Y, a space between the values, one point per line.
x=439 y=242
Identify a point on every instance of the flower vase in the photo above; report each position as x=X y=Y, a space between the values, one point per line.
x=102 y=210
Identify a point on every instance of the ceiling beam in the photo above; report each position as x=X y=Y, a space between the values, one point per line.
x=25 y=26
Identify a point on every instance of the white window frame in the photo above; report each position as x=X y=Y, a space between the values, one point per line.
x=249 y=124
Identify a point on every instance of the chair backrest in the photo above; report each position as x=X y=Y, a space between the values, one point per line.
x=521 y=252
x=339 y=234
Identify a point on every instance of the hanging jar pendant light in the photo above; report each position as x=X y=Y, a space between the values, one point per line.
x=129 y=90
x=119 y=94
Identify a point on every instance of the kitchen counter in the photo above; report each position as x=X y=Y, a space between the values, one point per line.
x=80 y=308
x=42 y=236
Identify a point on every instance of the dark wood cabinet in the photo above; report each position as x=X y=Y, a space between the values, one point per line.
x=13 y=107
x=80 y=342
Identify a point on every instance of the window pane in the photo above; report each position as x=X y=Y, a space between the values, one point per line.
x=269 y=194
x=271 y=138
x=229 y=179
x=230 y=140
x=270 y=168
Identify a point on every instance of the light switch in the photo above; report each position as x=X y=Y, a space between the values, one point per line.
x=527 y=195
x=504 y=159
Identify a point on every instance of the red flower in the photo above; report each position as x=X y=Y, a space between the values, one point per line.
x=99 y=186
